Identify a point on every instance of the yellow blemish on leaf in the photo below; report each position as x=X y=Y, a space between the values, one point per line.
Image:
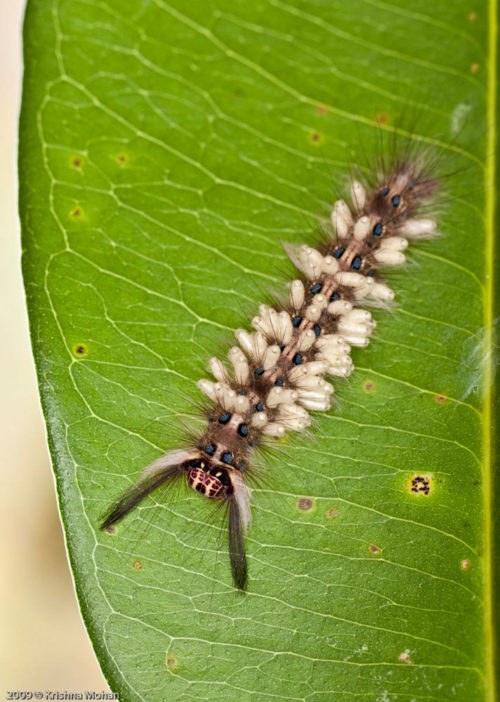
x=316 y=138
x=80 y=350
x=441 y=399
x=382 y=118
x=171 y=663
x=76 y=161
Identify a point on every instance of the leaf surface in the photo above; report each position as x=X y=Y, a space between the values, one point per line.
x=166 y=150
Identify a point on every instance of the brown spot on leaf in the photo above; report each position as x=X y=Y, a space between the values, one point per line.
x=474 y=68
x=374 y=549
x=332 y=513
x=472 y=16
x=80 y=350
x=304 y=503
x=382 y=118
x=171 y=663
x=137 y=565
x=369 y=386
x=316 y=138
x=76 y=212
x=122 y=159
x=441 y=399
x=321 y=109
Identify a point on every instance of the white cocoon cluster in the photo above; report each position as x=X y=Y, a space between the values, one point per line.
x=259 y=420
x=305 y=340
x=353 y=280
x=218 y=370
x=311 y=263
x=358 y=194
x=312 y=368
x=394 y=243
x=208 y=389
x=293 y=417
x=241 y=404
x=276 y=326
x=418 y=228
x=297 y=294
x=287 y=408
x=360 y=316
x=313 y=312
x=317 y=405
x=339 y=307
x=225 y=396
x=240 y=365
x=388 y=257
x=361 y=228
x=277 y=396
x=341 y=219
x=271 y=356
x=254 y=345
x=274 y=429
x=221 y=393
x=379 y=291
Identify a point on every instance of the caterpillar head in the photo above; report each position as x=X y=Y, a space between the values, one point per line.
x=209 y=478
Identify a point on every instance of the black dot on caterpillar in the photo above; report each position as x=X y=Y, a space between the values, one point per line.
x=276 y=375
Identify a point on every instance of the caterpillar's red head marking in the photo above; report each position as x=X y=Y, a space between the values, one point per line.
x=210 y=480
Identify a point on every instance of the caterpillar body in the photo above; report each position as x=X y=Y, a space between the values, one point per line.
x=277 y=373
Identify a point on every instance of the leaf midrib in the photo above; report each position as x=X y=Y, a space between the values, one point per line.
x=488 y=443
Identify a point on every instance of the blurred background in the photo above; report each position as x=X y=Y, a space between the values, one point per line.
x=44 y=644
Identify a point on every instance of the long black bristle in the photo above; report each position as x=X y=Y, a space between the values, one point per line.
x=237 y=555
x=131 y=498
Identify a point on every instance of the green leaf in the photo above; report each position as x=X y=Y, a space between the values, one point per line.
x=166 y=150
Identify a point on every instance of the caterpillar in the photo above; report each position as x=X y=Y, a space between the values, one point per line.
x=276 y=375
